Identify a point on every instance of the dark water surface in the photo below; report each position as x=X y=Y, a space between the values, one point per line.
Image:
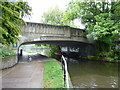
x=93 y=74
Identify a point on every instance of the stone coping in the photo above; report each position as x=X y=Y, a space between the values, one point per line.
x=8 y=62
x=51 y=25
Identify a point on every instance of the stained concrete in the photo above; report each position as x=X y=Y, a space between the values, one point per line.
x=37 y=31
x=8 y=62
x=23 y=75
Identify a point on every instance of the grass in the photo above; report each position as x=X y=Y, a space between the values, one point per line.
x=53 y=75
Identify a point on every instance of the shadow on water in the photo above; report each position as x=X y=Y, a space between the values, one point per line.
x=93 y=74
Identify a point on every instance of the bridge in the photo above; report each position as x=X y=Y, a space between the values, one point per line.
x=39 y=32
x=64 y=36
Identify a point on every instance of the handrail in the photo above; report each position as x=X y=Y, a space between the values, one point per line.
x=66 y=71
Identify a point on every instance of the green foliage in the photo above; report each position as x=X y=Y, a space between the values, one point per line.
x=102 y=20
x=87 y=10
x=11 y=20
x=105 y=54
x=90 y=57
x=6 y=51
x=116 y=54
x=105 y=30
x=53 y=75
x=53 y=49
x=109 y=58
x=54 y=16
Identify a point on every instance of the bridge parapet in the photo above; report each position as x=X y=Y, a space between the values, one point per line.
x=38 y=31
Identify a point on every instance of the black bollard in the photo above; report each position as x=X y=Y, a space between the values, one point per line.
x=21 y=52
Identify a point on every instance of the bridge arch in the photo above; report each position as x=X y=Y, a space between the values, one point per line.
x=63 y=36
x=83 y=47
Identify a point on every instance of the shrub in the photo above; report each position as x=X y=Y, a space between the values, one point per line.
x=5 y=51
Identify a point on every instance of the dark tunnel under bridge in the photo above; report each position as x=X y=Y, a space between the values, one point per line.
x=85 y=49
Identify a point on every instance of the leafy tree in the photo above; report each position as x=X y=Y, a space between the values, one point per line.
x=11 y=20
x=54 y=16
x=53 y=49
x=102 y=20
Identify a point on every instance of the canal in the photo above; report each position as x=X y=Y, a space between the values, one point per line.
x=92 y=74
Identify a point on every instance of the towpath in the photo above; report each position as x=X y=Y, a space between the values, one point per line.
x=25 y=74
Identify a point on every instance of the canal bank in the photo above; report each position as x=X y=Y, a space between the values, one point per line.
x=99 y=59
x=53 y=74
x=26 y=70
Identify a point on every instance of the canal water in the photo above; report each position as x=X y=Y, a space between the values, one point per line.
x=92 y=74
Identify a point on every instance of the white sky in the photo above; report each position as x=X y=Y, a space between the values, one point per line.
x=41 y=6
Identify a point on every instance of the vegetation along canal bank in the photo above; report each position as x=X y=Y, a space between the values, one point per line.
x=53 y=75
x=86 y=72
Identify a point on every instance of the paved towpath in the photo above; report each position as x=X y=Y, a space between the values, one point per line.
x=24 y=75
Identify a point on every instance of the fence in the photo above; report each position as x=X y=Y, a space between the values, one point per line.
x=65 y=71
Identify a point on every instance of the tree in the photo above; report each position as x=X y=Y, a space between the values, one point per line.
x=12 y=13
x=102 y=20
x=53 y=16
x=53 y=49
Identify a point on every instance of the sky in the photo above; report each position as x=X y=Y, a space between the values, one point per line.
x=41 y=6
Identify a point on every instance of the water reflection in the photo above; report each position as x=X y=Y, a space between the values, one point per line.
x=93 y=74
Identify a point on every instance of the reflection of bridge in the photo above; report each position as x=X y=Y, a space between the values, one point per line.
x=64 y=36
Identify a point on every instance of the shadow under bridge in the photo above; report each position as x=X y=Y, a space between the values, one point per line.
x=73 y=47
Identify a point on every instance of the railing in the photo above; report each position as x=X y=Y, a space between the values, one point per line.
x=65 y=72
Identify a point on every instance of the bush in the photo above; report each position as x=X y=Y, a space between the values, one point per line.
x=105 y=54
x=109 y=58
x=53 y=49
x=90 y=57
x=6 y=52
